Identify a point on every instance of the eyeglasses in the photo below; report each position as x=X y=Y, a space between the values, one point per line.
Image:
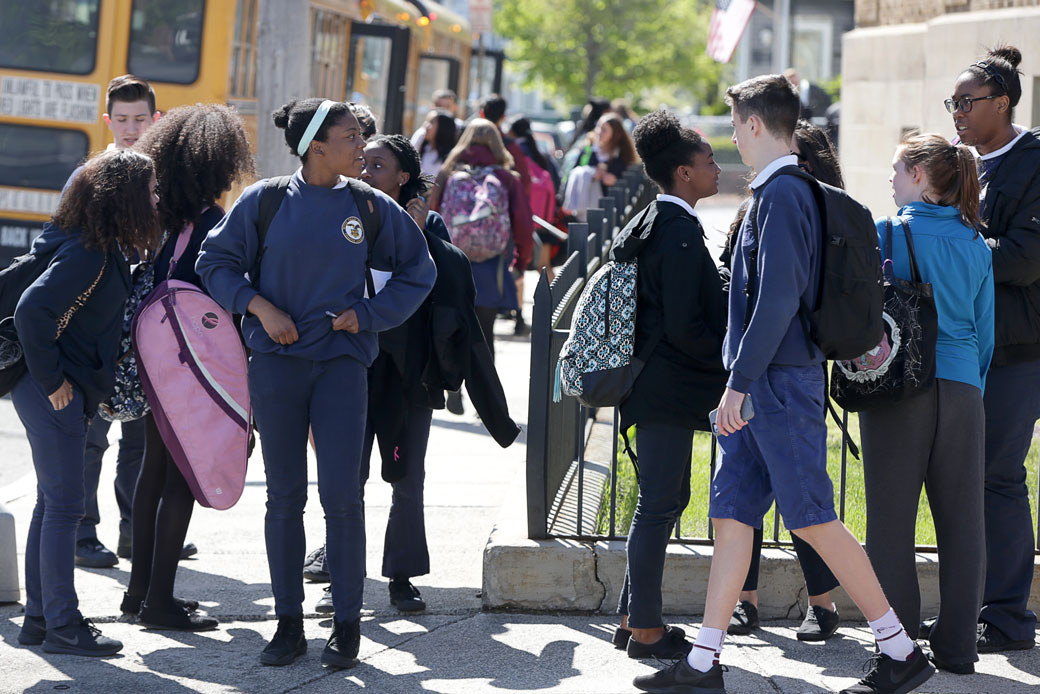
x=964 y=103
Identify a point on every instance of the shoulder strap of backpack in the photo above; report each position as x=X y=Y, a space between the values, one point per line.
x=270 y=200
x=365 y=199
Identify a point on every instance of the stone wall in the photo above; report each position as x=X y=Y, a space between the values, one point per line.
x=895 y=78
x=871 y=13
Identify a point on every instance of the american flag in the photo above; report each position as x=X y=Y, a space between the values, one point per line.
x=728 y=22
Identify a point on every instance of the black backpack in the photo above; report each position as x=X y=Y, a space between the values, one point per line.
x=14 y=280
x=846 y=322
x=271 y=199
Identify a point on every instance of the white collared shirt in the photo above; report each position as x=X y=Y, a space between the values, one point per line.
x=772 y=167
x=664 y=197
x=1006 y=148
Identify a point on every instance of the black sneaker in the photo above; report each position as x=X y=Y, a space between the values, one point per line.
x=34 y=629
x=620 y=638
x=90 y=553
x=314 y=567
x=189 y=550
x=173 y=617
x=80 y=638
x=744 y=619
x=288 y=643
x=955 y=668
x=819 y=624
x=925 y=630
x=341 y=650
x=672 y=645
x=405 y=597
x=131 y=607
x=993 y=640
x=454 y=403
x=325 y=605
x=681 y=678
x=888 y=676
x=521 y=329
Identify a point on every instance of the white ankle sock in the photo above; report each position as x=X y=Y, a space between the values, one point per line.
x=706 y=649
x=891 y=636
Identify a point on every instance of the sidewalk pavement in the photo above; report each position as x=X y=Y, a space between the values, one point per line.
x=452 y=648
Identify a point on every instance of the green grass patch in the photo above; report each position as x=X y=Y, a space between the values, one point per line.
x=694 y=521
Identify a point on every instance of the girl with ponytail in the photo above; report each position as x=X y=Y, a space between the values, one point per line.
x=982 y=104
x=935 y=438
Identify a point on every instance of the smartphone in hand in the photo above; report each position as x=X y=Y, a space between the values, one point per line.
x=747 y=411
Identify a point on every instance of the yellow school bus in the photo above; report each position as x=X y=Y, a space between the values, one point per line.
x=57 y=56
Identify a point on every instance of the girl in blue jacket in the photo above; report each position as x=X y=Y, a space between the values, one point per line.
x=311 y=326
x=936 y=438
x=69 y=323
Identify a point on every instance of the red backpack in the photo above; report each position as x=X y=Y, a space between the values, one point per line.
x=543 y=192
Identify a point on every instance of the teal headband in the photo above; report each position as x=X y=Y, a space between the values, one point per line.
x=312 y=128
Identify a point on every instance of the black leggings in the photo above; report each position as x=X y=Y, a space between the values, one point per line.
x=818 y=578
x=163 y=504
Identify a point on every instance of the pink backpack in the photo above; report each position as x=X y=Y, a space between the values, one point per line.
x=475 y=206
x=543 y=192
x=193 y=370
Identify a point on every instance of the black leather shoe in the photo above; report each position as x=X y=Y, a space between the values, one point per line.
x=993 y=640
x=681 y=678
x=90 y=553
x=744 y=619
x=672 y=645
x=123 y=549
x=131 y=607
x=288 y=643
x=620 y=638
x=888 y=676
x=405 y=597
x=189 y=550
x=34 y=630
x=955 y=668
x=819 y=624
x=924 y=631
x=173 y=617
x=341 y=650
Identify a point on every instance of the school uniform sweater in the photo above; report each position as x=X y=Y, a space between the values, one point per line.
x=958 y=264
x=314 y=262
x=788 y=271
x=86 y=351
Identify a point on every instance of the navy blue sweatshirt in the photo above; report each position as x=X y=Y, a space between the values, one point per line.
x=315 y=262
x=88 y=347
x=789 y=234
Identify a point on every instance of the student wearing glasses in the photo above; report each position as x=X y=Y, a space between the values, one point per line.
x=982 y=105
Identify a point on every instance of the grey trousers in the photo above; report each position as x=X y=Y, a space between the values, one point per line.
x=935 y=439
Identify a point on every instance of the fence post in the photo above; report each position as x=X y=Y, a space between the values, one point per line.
x=597 y=220
x=620 y=193
x=609 y=207
x=578 y=240
x=538 y=411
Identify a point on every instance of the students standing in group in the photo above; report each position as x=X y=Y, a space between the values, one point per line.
x=607 y=152
x=69 y=323
x=935 y=438
x=781 y=453
x=681 y=319
x=481 y=146
x=199 y=152
x=817 y=156
x=311 y=319
x=983 y=103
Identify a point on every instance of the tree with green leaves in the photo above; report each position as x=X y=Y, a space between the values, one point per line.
x=611 y=48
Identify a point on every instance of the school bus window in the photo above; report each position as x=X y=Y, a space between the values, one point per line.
x=166 y=40
x=52 y=36
x=32 y=157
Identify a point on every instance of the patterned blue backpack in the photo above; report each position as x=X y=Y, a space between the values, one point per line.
x=598 y=364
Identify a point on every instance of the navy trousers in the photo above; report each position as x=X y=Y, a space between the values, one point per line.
x=1012 y=403
x=664 y=491
x=128 y=467
x=57 y=439
x=405 y=551
x=289 y=396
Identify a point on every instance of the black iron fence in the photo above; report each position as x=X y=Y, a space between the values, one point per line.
x=565 y=491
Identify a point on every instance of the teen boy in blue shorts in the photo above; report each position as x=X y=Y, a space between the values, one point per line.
x=781 y=453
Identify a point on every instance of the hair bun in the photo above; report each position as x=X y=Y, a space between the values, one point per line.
x=655 y=133
x=1009 y=53
x=280 y=116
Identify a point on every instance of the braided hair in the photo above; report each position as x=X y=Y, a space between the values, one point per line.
x=408 y=160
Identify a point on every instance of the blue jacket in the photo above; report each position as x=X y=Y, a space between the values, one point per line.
x=315 y=262
x=958 y=264
x=788 y=269
x=88 y=347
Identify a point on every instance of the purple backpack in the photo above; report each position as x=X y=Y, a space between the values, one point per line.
x=192 y=366
x=475 y=206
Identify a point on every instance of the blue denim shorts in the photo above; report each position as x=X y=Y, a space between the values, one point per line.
x=780 y=455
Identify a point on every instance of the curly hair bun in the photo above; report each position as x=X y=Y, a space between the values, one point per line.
x=1009 y=53
x=280 y=116
x=655 y=133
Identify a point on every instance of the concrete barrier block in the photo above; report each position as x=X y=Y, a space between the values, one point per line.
x=10 y=590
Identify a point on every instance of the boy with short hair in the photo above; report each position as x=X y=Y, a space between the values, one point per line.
x=781 y=453
x=130 y=105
